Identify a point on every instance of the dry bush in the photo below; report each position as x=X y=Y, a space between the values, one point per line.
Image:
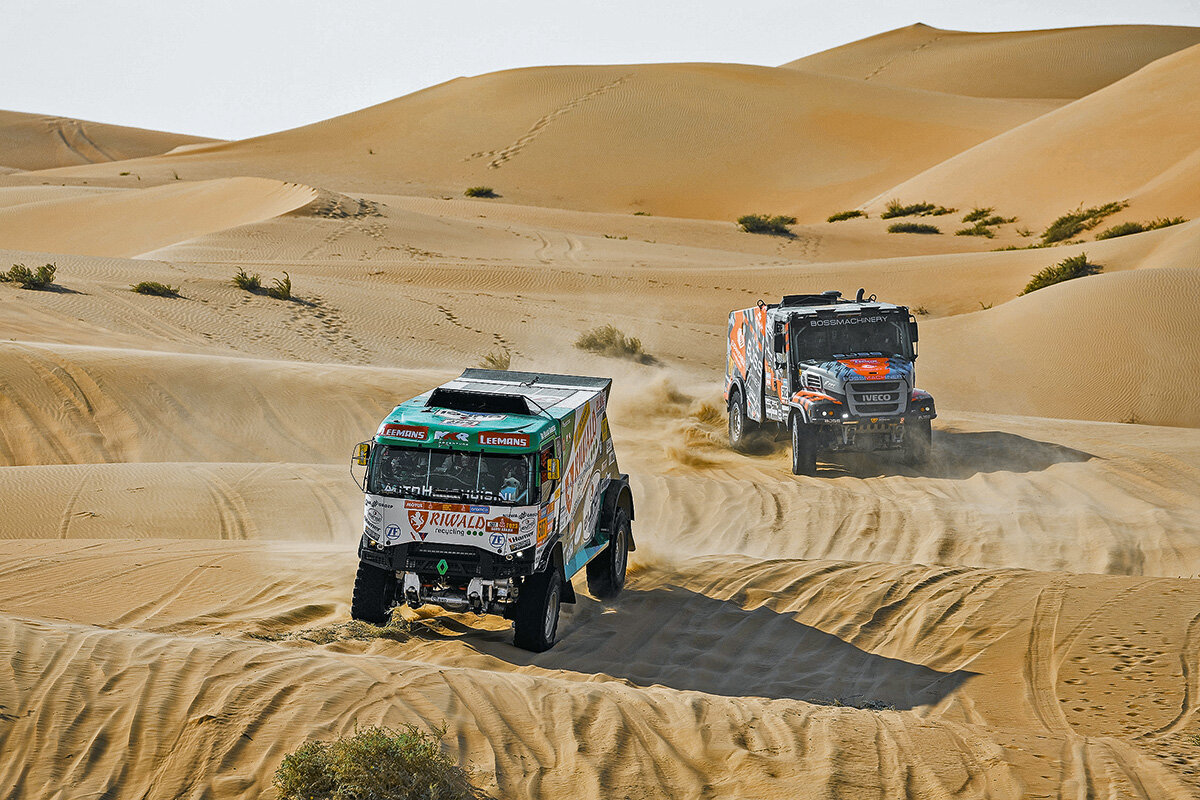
x=377 y=763
x=608 y=341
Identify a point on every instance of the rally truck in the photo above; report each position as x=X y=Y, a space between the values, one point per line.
x=488 y=494
x=835 y=374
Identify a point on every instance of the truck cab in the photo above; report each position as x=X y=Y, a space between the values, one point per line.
x=488 y=494
x=835 y=374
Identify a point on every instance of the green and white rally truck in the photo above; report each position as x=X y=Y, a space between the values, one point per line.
x=488 y=494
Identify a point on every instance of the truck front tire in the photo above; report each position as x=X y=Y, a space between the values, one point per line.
x=918 y=439
x=374 y=595
x=804 y=447
x=535 y=622
x=606 y=574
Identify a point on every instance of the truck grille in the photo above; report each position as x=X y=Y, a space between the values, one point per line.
x=461 y=562
x=877 y=398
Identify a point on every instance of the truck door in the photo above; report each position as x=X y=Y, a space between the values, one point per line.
x=755 y=352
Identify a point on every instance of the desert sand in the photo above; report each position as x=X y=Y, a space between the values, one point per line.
x=1020 y=617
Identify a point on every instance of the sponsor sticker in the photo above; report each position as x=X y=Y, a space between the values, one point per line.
x=374 y=515
x=393 y=532
x=493 y=439
x=414 y=433
x=452 y=436
x=497 y=541
x=502 y=525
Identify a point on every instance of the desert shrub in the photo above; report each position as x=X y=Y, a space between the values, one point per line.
x=497 y=359
x=376 y=763
x=1124 y=229
x=978 y=229
x=841 y=215
x=28 y=278
x=921 y=311
x=764 y=223
x=1127 y=228
x=480 y=191
x=155 y=288
x=1076 y=222
x=978 y=214
x=281 y=289
x=251 y=283
x=641 y=213
x=912 y=227
x=1065 y=270
x=608 y=341
x=896 y=209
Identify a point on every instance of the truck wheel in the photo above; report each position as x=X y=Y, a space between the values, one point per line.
x=374 y=594
x=740 y=425
x=918 y=439
x=536 y=620
x=804 y=448
x=606 y=574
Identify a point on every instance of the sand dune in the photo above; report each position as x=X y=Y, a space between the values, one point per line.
x=1060 y=63
x=97 y=224
x=1120 y=348
x=927 y=673
x=1015 y=618
x=1142 y=146
x=699 y=140
x=37 y=141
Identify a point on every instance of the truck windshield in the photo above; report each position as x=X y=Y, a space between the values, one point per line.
x=823 y=339
x=419 y=473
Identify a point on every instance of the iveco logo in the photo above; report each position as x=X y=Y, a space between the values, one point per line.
x=876 y=398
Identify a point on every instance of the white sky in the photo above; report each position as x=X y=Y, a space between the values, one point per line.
x=232 y=69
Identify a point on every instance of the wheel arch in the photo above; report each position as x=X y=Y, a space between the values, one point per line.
x=617 y=494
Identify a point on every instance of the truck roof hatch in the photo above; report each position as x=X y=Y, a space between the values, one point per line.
x=822 y=299
x=478 y=402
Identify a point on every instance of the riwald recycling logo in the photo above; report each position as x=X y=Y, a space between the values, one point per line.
x=417 y=520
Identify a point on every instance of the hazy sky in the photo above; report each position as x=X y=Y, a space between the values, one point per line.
x=237 y=69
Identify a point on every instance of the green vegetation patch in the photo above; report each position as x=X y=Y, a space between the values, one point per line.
x=28 y=278
x=608 y=341
x=841 y=215
x=978 y=229
x=765 y=223
x=1065 y=270
x=377 y=763
x=155 y=288
x=481 y=191
x=1076 y=222
x=280 y=289
x=1127 y=228
x=897 y=209
x=912 y=227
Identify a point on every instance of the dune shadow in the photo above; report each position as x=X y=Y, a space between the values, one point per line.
x=957 y=455
x=688 y=641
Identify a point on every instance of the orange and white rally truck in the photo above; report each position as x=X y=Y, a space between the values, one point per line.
x=488 y=494
x=835 y=374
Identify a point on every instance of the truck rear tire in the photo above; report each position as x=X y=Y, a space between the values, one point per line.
x=535 y=622
x=918 y=439
x=740 y=425
x=374 y=595
x=804 y=448
x=606 y=574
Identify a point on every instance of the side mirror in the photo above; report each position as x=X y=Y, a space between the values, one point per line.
x=362 y=453
x=912 y=329
x=551 y=470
